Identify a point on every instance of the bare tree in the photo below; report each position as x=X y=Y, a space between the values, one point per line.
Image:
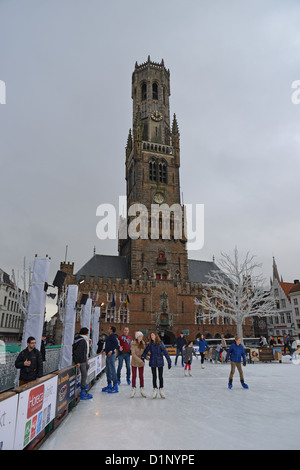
x=235 y=291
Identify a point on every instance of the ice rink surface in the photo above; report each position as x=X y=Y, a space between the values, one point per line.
x=199 y=412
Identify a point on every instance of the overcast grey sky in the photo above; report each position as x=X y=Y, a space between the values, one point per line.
x=67 y=66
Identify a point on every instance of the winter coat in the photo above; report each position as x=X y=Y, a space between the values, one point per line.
x=111 y=343
x=136 y=354
x=80 y=350
x=188 y=354
x=202 y=345
x=235 y=353
x=180 y=342
x=157 y=353
x=35 y=370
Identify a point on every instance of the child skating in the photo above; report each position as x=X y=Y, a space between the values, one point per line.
x=235 y=353
x=188 y=357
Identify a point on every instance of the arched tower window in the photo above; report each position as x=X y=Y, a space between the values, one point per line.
x=155 y=91
x=162 y=172
x=144 y=91
x=152 y=170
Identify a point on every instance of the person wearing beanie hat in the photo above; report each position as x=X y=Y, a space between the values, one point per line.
x=137 y=349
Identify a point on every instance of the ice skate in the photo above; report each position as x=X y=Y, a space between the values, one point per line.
x=154 y=393
x=243 y=384
x=230 y=384
x=202 y=366
x=84 y=395
x=161 y=391
x=143 y=392
x=133 y=390
x=190 y=374
x=185 y=373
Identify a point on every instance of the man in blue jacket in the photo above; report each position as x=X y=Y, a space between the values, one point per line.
x=111 y=344
x=235 y=353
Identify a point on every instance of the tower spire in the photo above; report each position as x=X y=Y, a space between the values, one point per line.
x=275 y=271
x=175 y=129
x=175 y=141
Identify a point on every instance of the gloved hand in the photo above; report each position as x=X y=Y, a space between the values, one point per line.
x=244 y=363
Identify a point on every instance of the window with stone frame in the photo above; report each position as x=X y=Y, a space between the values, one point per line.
x=123 y=314
x=154 y=91
x=110 y=316
x=162 y=172
x=152 y=170
x=144 y=91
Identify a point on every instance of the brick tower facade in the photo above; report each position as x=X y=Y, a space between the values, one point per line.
x=152 y=179
x=152 y=269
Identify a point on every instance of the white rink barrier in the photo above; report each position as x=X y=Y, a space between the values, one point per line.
x=28 y=413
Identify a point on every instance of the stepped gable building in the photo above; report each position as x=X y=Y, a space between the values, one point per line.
x=285 y=319
x=151 y=285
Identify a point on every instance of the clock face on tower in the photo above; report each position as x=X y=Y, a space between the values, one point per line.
x=159 y=198
x=156 y=116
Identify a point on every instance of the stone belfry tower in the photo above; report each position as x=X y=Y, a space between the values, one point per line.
x=152 y=179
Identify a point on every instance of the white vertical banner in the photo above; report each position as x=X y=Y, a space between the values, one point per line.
x=68 y=327
x=34 y=321
x=95 y=330
x=86 y=315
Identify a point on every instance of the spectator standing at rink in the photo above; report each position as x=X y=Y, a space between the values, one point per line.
x=30 y=362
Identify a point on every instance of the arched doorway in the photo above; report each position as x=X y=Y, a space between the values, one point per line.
x=167 y=337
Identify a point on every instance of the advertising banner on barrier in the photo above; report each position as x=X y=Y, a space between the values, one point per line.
x=92 y=369
x=98 y=364
x=37 y=407
x=65 y=389
x=8 y=411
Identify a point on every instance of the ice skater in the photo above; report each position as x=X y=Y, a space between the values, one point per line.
x=124 y=354
x=203 y=346
x=180 y=344
x=157 y=349
x=137 y=364
x=80 y=350
x=235 y=353
x=188 y=358
x=111 y=345
x=218 y=352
